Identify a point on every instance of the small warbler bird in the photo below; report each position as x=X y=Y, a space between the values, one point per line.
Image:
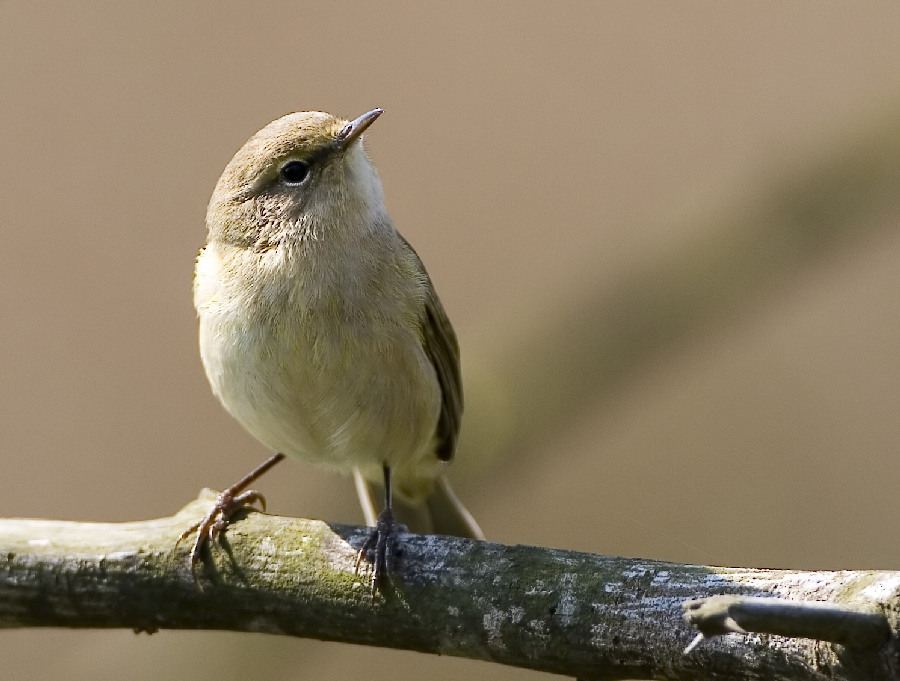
x=321 y=332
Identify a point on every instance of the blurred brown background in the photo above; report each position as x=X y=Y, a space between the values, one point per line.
x=666 y=235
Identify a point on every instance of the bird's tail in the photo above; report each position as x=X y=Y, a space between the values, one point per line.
x=440 y=513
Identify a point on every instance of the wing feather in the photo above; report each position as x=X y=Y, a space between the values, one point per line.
x=442 y=349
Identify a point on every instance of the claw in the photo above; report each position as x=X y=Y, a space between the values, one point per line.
x=216 y=522
x=228 y=503
x=382 y=540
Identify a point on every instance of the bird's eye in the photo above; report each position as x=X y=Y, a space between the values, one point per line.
x=294 y=172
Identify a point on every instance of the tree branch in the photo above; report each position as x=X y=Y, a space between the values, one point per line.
x=719 y=615
x=595 y=617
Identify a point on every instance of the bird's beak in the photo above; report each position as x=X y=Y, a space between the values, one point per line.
x=356 y=127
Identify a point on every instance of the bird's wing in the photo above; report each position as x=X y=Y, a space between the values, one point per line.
x=443 y=351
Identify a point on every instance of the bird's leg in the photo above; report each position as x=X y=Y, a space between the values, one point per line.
x=381 y=539
x=227 y=504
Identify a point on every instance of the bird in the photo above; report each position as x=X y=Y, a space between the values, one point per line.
x=321 y=333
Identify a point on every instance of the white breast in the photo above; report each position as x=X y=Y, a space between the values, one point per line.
x=314 y=374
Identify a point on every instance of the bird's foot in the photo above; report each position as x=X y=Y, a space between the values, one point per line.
x=383 y=541
x=232 y=500
x=216 y=521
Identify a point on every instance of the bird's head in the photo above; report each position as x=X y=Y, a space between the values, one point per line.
x=301 y=177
